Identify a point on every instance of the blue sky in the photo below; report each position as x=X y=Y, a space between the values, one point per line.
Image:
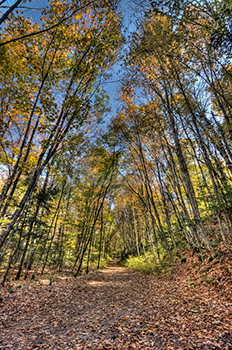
x=112 y=85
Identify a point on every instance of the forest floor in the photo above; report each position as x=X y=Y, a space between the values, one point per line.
x=116 y=308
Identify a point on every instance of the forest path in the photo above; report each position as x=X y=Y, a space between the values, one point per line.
x=115 y=308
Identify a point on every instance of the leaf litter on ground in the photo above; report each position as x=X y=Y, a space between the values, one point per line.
x=116 y=308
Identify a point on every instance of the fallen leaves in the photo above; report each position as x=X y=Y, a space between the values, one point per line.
x=116 y=309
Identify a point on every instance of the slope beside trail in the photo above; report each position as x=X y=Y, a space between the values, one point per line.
x=115 y=308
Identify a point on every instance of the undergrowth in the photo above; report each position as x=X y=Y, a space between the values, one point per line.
x=148 y=264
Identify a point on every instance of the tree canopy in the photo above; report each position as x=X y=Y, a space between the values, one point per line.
x=81 y=183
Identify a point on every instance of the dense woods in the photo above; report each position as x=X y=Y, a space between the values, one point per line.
x=80 y=186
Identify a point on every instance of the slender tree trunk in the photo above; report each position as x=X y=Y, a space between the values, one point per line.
x=151 y=198
x=54 y=230
x=11 y=260
x=136 y=231
x=100 y=244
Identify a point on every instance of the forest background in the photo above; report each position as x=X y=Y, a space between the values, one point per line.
x=146 y=180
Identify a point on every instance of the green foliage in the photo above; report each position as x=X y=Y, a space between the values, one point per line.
x=143 y=264
x=218 y=13
x=148 y=264
x=157 y=181
x=93 y=262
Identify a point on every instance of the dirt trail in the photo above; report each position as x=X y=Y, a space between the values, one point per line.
x=115 y=308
